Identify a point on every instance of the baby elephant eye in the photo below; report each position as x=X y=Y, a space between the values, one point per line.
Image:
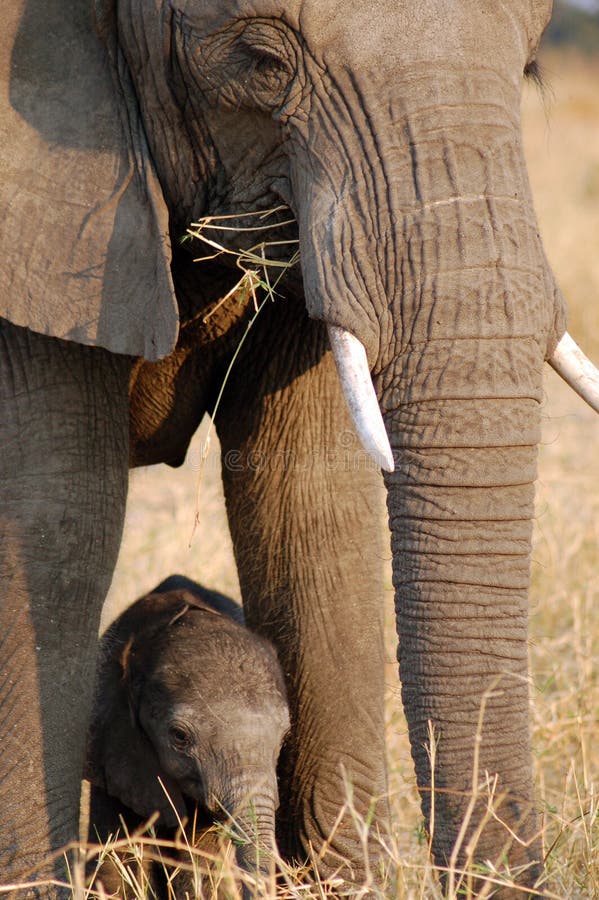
x=179 y=736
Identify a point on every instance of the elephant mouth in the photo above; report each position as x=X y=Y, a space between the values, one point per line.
x=199 y=817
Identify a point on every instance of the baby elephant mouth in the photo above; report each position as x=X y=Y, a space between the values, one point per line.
x=200 y=816
x=204 y=807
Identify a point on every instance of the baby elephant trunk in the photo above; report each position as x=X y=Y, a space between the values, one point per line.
x=253 y=833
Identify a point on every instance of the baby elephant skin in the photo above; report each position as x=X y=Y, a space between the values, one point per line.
x=192 y=704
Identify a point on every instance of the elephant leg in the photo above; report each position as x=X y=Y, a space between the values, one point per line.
x=63 y=484
x=303 y=506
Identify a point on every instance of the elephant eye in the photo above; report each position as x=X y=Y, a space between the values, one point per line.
x=251 y=64
x=180 y=736
x=268 y=75
x=268 y=66
x=265 y=63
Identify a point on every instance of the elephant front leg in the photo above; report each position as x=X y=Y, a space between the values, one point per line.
x=304 y=511
x=63 y=478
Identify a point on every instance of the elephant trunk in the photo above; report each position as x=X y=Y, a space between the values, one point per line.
x=461 y=403
x=256 y=828
x=460 y=508
x=459 y=313
x=252 y=815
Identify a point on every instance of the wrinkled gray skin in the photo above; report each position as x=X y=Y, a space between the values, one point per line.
x=186 y=694
x=392 y=130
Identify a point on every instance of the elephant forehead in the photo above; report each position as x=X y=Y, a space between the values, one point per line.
x=392 y=33
x=220 y=719
x=214 y=648
x=215 y=668
x=396 y=35
x=253 y=723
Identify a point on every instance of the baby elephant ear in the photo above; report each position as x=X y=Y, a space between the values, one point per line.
x=133 y=774
x=83 y=225
x=122 y=761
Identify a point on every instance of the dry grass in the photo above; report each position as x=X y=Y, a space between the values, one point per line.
x=562 y=142
x=563 y=148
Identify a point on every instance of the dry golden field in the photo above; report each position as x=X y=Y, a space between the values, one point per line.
x=562 y=142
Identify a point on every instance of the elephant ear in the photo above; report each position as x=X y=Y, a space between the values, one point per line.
x=120 y=758
x=209 y=601
x=83 y=224
x=540 y=11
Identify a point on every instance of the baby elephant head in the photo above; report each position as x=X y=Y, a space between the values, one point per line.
x=190 y=704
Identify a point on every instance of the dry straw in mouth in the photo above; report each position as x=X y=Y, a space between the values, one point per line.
x=256 y=266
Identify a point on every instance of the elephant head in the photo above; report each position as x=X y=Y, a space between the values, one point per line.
x=189 y=718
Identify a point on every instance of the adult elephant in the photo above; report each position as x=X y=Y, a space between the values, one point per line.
x=392 y=131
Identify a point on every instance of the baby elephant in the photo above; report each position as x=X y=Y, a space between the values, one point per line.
x=188 y=695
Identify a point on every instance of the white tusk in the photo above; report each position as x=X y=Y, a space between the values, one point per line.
x=356 y=383
x=577 y=370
